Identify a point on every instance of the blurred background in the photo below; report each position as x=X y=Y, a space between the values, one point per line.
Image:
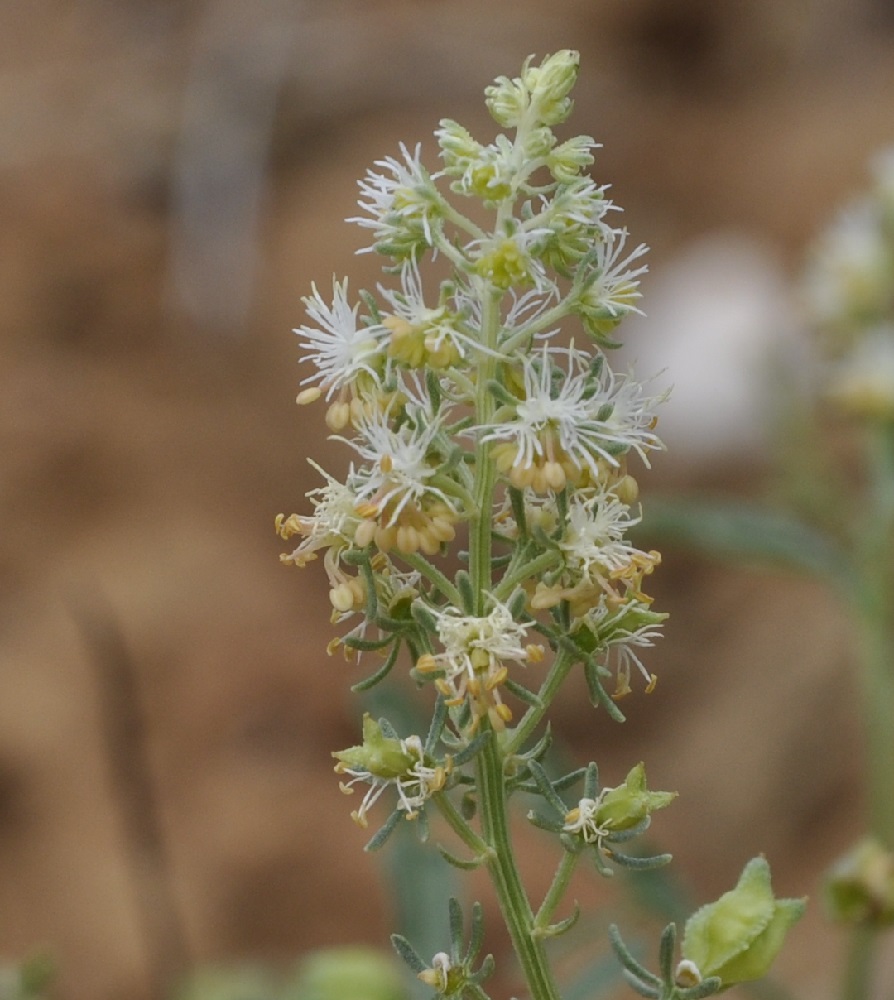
x=173 y=175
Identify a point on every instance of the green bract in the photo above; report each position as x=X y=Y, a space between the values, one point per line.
x=737 y=937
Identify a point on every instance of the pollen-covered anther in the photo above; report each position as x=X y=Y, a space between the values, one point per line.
x=310 y=395
x=426 y=664
x=286 y=527
x=546 y=597
x=536 y=653
x=348 y=595
x=499 y=715
x=497 y=678
x=338 y=416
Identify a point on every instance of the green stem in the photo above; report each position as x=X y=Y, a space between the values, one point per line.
x=460 y=827
x=504 y=874
x=556 y=891
x=480 y=526
x=875 y=613
x=492 y=796
x=434 y=576
x=532 y=718
x=527 y=571
x=857 y=983
x=876 y=619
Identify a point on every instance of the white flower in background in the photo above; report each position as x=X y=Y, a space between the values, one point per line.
x=848 y=279
x=862 y=382
x=341 y=349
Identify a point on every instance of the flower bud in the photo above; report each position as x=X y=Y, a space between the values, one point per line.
x=567 y=160
x=549 y=85
x=859 y=889
x=626 y=806
x=380 y=755
x=737 y=937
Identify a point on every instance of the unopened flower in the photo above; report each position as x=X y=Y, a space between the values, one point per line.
x=859 y=888
x=384 y=762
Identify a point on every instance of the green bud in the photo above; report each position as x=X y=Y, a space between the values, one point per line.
x=549 y=85
x=457 y=145
x=629 y=804
x=380 y=755
x=567 y=160
x=507 y=100
x=859 y=889
x=738 y=936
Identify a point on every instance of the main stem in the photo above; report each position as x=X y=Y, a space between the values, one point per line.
x=492 y=799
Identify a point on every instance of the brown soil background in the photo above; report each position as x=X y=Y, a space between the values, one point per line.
x=149 y=436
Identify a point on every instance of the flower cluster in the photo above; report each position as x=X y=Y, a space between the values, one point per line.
x=480 y=407
x=444 y=390
x=849 y=292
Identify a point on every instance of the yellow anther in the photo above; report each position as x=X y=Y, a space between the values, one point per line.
x=310 y=395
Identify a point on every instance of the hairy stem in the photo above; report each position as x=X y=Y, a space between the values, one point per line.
x=514 y=903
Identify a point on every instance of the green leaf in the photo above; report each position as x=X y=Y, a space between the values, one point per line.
x=745 y=533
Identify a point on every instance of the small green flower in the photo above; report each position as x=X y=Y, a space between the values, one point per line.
x=626 y=806
x=380 y=755
x=859 y=889
x=737 y=937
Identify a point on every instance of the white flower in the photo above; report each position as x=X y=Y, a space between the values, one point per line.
x=594 y=539
x=616 y=282
x=863 y=381
x=414 y=787
x=436 y=325
x=332 y=523
x=582 y=821
x=339 y=348
x=849 y=274
x=576 y=417
x=401 y=462
x=474 y=656
x=620 y=642
x=401 y=202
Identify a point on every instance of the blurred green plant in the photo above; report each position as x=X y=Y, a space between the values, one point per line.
x=837 y=440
